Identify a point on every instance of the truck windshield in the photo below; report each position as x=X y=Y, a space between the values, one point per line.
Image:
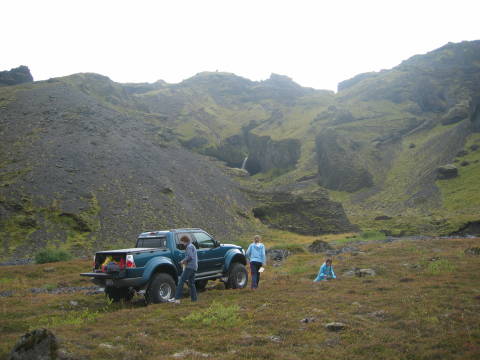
x=153 y=242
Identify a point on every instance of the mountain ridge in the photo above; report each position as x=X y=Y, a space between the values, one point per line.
x=375 y=146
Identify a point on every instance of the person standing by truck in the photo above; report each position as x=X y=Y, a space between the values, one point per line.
x=256 y=256
x=190 y=267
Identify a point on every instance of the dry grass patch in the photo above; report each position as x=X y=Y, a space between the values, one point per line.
x=431 y=315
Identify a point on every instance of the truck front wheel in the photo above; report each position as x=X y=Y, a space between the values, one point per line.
x=162 y=288
x=237 y=276
x=118 y=294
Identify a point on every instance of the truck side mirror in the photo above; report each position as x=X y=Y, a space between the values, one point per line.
x=217 y=243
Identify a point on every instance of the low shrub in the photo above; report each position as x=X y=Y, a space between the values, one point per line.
x=52 y=255
x=216 y=314
x=372 y=235
x=440 y=266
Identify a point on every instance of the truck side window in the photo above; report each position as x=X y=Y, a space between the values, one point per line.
x=204 y=241
x=178 y=243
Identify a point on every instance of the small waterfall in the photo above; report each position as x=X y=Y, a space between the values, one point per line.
x=244 y=162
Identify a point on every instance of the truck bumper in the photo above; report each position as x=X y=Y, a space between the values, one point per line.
x=104 y=280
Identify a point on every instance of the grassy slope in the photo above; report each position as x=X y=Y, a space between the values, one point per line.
x=435 y=314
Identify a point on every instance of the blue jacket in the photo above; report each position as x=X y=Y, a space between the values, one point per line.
x=256 y=252
x=325 y=273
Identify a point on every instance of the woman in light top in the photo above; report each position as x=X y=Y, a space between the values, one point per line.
x=256 y=256
x=326 y=271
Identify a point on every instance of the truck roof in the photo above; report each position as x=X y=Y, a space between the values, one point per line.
x=163 y=232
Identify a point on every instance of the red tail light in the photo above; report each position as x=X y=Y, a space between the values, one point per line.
x=130 y=262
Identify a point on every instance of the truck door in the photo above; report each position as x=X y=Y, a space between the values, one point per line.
x=209 y=254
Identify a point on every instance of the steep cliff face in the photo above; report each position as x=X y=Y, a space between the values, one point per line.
x=19 y=75
x=339 y=164
x=257 y=153
x=311 y=213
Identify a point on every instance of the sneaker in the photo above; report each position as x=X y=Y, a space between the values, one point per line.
x=174 y=301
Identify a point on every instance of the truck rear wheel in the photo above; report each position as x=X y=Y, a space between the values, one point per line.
x=161 y=289
x=118 y=294
x=237 y=277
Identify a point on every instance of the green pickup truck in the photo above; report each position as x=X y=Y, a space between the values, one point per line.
x=153 y=267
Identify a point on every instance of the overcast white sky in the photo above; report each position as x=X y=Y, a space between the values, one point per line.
x=317 y=43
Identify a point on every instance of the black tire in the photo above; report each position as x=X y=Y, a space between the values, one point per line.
x=118 y=294
x=237 y=277
x=201 y=284
x=161 y=289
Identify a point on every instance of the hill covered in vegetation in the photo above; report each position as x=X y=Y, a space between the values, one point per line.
x=88 y=162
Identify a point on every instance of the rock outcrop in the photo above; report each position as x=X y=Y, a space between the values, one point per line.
x=338 y=166
x=446 y=172
x=16 y=76
x=308 y=214
x=39 y=344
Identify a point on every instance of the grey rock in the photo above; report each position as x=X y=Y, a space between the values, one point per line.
x=383 y=217
x=335 y=326
x=308 y=320
x=39 y=344
x=365 y=272
x=332 y=341
x=275 y=338
x=319 y=246
x=380 y=314
x=278 y=254
x=446 y=172
x=6 y=293
x=190 y=354
x=473 y=251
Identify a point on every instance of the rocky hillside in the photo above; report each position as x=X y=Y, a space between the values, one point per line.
x=88 y=162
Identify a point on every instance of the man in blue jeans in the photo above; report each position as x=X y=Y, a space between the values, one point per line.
x=190 y=264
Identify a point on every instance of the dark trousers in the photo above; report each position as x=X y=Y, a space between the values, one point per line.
x=254 y=267
x=187 y=275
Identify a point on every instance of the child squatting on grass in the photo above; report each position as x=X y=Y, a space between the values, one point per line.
x=326 y=271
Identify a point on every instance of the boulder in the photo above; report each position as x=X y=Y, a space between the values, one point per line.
x=446 y=172
x=39 y=344
x=16 y=76
x=473 y=251
x=319 y=246
x=365 y=272
x=464 y=163
x=474 y=147
x=335 y=326
x=278 y=254
x=383 y=217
